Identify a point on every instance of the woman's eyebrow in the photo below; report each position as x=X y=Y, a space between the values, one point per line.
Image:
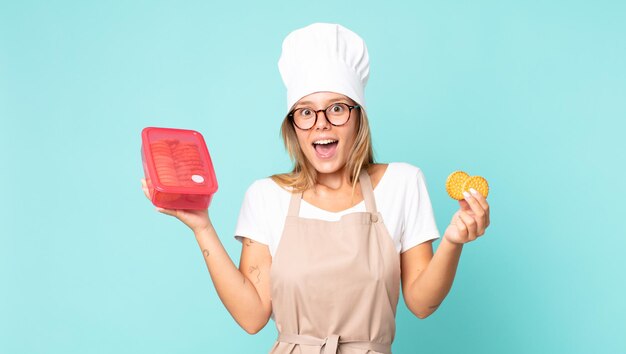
x=327 y=102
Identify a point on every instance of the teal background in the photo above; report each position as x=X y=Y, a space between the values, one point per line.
x=528 y=94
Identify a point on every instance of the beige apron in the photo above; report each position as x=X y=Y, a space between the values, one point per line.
x=335 y=284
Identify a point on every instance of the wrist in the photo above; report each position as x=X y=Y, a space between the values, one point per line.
x=202 y=231
x=447 y=243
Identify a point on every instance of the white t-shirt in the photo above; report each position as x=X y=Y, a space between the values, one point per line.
x=401 y=197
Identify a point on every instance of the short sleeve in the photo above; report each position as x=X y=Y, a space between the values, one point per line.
x=252 y=221
x=419 y=219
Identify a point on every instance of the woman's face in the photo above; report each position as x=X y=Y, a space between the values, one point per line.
x=327 y=146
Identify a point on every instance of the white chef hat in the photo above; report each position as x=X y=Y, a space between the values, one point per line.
x=324 y=57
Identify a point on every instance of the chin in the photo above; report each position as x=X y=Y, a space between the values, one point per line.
x=328 y=166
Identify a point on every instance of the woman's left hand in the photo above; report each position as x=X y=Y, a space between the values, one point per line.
x=470 y=221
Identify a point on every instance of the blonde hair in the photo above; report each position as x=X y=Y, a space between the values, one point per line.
x=303 y=176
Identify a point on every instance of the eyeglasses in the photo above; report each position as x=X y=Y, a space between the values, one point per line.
x=336 y=114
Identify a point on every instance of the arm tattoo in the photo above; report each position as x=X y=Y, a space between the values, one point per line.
x=249 y=242
x=252 y=269
x=206 y=252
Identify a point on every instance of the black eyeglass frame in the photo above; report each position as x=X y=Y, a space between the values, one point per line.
x=350 y=108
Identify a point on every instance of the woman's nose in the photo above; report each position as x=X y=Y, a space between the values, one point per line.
x=321 y=120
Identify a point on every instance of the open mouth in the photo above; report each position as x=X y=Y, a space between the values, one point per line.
x=325 y=149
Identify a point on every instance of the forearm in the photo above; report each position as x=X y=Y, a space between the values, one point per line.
x=239 y=296
x=432 y=285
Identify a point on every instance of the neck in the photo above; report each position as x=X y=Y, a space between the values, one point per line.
x=334 y=181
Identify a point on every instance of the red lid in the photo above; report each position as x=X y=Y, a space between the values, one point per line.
x=178 y=161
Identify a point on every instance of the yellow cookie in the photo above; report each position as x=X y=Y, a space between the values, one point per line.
x=454 y=184
x=478 y=183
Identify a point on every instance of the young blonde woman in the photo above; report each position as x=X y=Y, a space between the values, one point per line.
x=326 y=247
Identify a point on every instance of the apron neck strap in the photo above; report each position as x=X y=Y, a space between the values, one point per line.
x=366 y=189
x=294 y=204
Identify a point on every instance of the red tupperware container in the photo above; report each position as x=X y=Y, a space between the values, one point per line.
x=178 y=168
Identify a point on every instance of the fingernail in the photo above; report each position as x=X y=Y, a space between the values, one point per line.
x=473 y=191
x=467 y=195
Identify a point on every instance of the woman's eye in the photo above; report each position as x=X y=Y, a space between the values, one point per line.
x=336 y=108
x=305 y=112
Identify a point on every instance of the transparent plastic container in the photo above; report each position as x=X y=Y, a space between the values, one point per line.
x=178 y=168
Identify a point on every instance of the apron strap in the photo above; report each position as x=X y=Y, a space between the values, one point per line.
x=331 y=343
x=368 y=192
x=294 y=204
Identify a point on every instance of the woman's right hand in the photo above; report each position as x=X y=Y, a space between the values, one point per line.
x=196 y=220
